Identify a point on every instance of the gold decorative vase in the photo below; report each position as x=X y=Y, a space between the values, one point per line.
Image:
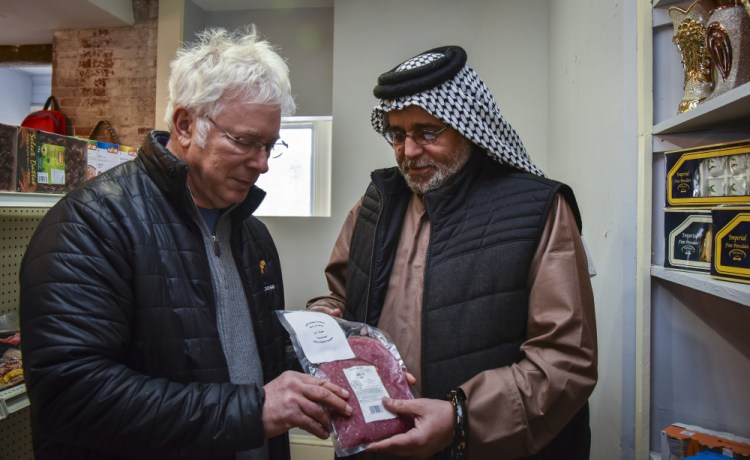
x=690 y=37
x=746 y=3
x=728 y=44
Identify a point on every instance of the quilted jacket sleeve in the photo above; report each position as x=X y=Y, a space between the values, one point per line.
x=79 y=292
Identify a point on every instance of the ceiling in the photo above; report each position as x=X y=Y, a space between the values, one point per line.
x=229 y=5
x=33 y=22
x=29 y=22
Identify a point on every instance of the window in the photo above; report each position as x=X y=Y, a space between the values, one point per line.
x=298 y=183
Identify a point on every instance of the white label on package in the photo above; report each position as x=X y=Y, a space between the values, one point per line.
x=369 y=390
x=320 y=336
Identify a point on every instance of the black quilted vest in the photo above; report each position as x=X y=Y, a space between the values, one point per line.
x=485 y=228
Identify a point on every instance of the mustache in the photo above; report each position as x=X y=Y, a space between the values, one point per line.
x=413 y=164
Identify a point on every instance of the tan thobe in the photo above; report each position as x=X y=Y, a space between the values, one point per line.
x=515 y=410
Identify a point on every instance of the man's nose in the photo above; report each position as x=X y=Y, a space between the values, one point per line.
x=259 y=162
x=411 y=148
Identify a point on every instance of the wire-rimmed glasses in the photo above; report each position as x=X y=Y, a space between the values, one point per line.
x=420 y=136
x=250 y=147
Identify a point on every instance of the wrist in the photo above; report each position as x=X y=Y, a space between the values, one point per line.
x=460 y=444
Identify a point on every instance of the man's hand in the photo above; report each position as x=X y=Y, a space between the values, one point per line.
x=327 y=310
x=432 y=432
x=294 y=400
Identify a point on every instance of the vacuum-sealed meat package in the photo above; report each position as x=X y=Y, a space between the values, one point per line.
x=363 y=360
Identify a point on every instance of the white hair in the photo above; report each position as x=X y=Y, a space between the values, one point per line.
x=221 y=63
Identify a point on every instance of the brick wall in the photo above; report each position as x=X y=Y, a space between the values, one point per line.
x=109 y=74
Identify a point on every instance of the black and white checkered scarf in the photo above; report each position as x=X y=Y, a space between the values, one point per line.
x=440 y=82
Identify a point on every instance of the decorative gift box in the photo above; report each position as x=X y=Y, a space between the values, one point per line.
x=731 y=252
x=710 y=175
x=688 y=239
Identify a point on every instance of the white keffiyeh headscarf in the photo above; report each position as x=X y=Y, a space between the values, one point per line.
x=440 y=82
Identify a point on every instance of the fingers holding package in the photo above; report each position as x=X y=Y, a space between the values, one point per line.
x=432 y=432
x=296 y=400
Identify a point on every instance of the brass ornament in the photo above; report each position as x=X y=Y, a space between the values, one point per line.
x=690 y=38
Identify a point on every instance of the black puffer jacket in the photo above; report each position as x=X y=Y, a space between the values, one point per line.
x=122 y=356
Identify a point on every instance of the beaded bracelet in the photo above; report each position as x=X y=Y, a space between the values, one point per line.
x=460 y=445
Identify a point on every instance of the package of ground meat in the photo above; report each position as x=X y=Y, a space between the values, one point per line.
x=360 y=358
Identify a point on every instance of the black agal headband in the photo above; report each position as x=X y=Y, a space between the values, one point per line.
x=440 y=82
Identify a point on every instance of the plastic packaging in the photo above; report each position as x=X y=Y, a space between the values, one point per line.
x=363 y=360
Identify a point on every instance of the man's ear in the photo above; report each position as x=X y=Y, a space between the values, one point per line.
x=184 y=125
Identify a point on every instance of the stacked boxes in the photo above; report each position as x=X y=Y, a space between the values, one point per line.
x=731 y=255
x=41 y=162
x=127 y=153
x=102 y=156
x=712 y=175
x=705 y=220
x=48 y=162
x=689 y=239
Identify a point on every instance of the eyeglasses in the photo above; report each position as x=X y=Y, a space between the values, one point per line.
x=251 y=147
x=420 y=136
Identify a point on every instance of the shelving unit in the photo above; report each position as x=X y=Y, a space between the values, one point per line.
x=19 y=216
x=734 y=292
x=693 y=351
x=28 y=200
x=12 y=400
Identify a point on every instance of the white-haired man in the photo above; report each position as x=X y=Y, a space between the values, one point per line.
x=148 y=294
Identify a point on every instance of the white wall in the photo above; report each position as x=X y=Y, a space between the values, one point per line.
x=303 y=36
x=593 y=134
x=15 y=94
x=372 y=37
x=564 y=75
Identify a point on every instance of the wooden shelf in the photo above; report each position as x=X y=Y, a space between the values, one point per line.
x=663 y=3
x=13 y=399
x=735 y=292
x=713 y=113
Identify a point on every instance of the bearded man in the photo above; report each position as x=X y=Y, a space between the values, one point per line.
x=472 y=261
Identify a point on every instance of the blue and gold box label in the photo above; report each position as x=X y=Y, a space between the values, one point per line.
x=731 y=259
x=710 y=175
x=688 y=239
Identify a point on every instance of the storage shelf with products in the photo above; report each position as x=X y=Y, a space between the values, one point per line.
x=693 y=344
x=13 y=399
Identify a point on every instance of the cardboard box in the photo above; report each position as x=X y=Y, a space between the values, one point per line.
x=92 y=156
x=679 y=441
x=109 y=156
x=127 y=153
x=710 y=175
x=731 y=257
x=8 y=147
x=688 y=239
x=48 y=162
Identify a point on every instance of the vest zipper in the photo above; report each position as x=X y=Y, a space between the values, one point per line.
x=423 y=312
x=372 y=258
